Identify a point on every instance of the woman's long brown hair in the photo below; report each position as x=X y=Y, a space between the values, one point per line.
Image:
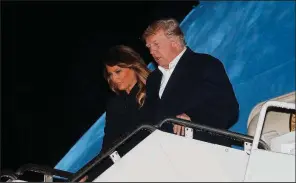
x=125 y=57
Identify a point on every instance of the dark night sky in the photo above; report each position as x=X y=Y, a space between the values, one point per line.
x=52 y=84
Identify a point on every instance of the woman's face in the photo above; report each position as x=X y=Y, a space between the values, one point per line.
x=123 y=78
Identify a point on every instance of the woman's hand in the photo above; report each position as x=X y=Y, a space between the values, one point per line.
x=83 y=179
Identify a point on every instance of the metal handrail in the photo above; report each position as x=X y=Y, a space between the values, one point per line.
x=77 y=176
x=211 y=129
x=42 y=170
x=8 y=174
x=262 y=116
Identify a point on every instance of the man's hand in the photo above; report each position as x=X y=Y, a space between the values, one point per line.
x=184 y=116
x=179 y=129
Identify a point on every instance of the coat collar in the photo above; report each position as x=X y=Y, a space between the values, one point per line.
x=176 y=77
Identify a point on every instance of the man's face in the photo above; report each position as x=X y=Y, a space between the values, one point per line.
x=161 y=48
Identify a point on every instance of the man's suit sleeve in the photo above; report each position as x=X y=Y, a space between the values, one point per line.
x=217 y=104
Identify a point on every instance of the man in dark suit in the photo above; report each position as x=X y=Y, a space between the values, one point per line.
x=187 y=85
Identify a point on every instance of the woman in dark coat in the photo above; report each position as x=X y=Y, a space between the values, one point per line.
x=126 y=73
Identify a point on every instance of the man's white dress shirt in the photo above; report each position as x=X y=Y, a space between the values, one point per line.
x=166 y=73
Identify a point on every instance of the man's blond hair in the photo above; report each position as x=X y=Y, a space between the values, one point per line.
x=170 y=27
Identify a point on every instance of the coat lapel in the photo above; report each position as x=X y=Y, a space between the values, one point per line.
x=157 y=81
x=175 y=81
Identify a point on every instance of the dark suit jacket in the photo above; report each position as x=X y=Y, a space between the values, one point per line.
x=198 y=87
